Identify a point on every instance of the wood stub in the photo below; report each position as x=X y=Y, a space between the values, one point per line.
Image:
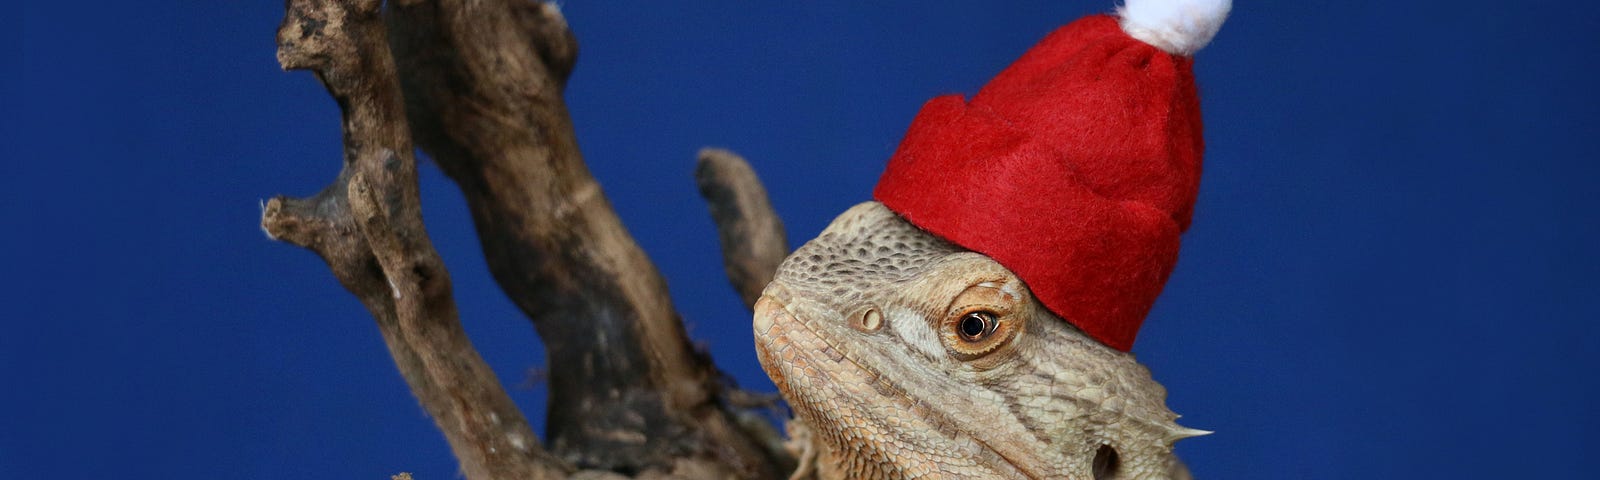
x=368 y=226
x=753 y=242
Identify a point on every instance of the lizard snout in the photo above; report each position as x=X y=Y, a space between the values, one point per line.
x=772 y=304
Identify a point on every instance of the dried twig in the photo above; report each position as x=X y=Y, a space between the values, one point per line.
x=753 y=242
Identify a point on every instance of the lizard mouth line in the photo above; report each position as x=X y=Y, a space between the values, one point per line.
x=790 y=347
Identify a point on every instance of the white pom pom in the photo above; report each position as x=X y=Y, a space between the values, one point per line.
x=1179 y=27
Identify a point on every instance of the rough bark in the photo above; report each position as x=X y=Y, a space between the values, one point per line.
x=478 y=85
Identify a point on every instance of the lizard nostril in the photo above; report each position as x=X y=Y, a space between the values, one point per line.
x=869 y=321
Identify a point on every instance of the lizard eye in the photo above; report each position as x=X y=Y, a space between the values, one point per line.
x=980 y=321
x=976 y=326
x=977 y=333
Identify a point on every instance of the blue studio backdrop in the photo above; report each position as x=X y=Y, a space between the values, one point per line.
x=1391 y=274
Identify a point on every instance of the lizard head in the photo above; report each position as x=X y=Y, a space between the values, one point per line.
x=908 y=356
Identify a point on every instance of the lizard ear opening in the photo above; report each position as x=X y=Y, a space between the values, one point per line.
x=1106 y=463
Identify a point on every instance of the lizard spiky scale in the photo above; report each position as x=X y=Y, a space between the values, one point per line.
x=899 y=401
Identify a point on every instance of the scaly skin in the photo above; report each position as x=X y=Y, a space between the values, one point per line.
x=861 y=331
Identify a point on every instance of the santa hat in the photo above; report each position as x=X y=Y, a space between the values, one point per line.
x=1076 y=167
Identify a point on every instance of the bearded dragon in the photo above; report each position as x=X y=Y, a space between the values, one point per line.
x=905 y=356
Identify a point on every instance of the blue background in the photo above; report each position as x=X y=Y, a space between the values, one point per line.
x=1392 y=271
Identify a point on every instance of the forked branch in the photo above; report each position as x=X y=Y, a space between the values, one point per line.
x=483 y=84
x=478 y=84
x=368 y=226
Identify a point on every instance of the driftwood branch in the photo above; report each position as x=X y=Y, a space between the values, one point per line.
x=753 y=243
x=368 y=226
x=478 y=85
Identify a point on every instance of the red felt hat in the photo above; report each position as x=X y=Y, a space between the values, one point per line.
x=1076 y=167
